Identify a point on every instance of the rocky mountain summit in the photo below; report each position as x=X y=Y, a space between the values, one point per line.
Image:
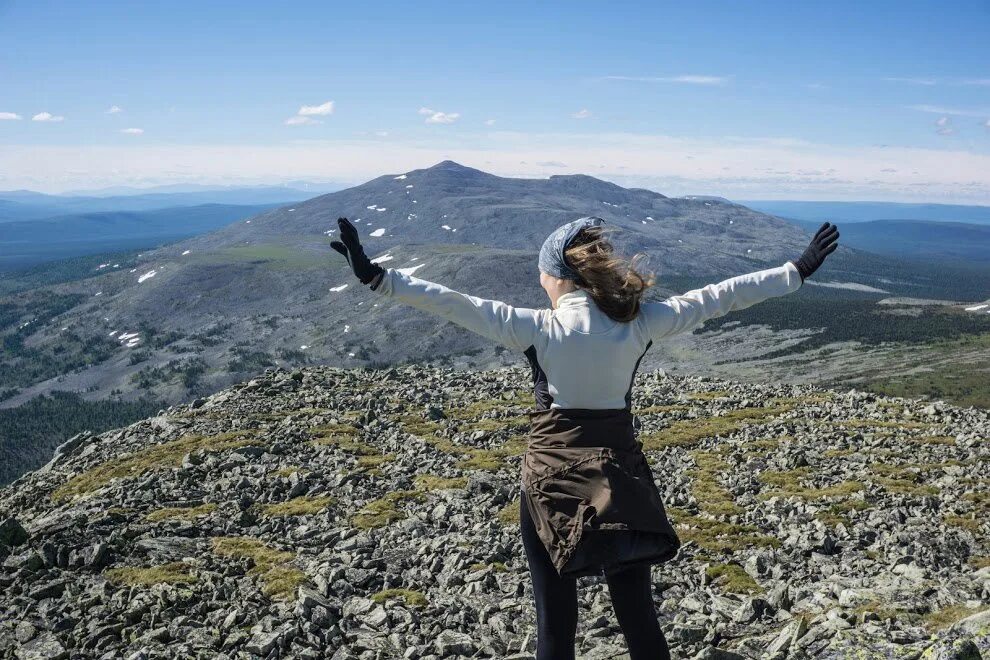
x=373 y=513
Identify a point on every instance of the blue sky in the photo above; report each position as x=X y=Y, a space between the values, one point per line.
x=837 y=100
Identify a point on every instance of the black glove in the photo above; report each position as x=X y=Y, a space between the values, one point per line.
x=351 y=248
x=822 y=245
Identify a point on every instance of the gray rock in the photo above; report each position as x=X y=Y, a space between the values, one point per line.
x=449 y=643
x=43 y=647
x=11 y=533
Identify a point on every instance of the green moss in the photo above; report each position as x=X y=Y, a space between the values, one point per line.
x=712 y=498
x=979 y=562
x=498 y=566
x=342 y=436
x=430 y=482
x=947 y=440
x=299 y=506
x=173 y=573
x=689 y=432
x=945 y=617
x=906 y=486
x=374 y=460
x=384 y=510
x=411 y=597
x=879 y=423
x=509 y=514
x=717 y=536
x=279 y=579
x=181 y=513
x=167 y=454
x=970 y=524
x=788 y=484
x=287 y=471
x=732 y=578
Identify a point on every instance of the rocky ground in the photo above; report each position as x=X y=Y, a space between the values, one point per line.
x=357 y=513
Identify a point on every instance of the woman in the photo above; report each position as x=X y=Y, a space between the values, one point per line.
x=588 y=501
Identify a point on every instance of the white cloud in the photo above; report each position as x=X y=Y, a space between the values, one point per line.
x=381 y=133
x=913 y=81
x=316 y=110
x=760 y=168
x=132 y=131
x=986 y=124
x=941 y=110
x=437 y=117
x=47 y=116
x=583 y=113
x=9 y=115
x=489 y=122
x=687 y=79
x=944 y=126
x=980 y=82
x=300 y=120
x=114 y=109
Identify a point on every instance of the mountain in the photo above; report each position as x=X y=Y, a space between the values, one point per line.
x=286 y=191
x=865 y=211
x=28 y=242
x=189 y=318
x=957 y=242
x=350 y=513
x=26 y=205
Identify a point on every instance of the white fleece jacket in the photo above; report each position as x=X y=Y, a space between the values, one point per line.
x=580 y=357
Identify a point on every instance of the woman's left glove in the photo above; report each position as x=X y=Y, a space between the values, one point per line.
x=822 y=245
x=349 y=245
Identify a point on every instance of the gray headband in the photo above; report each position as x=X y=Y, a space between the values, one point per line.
x=552 y=260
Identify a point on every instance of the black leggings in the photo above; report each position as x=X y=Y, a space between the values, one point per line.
x=557 y=607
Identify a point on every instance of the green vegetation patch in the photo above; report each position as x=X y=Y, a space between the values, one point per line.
x=970 y=524
x=732 y=578
x=430 y=482
x=172 y=573
x=497 y=566
x=492 y=459
x=279 y=579
x=374 y=461
x=717 y=536
x=787 y=483
x=298 y=506
x=411 y=597
x=509 y=514
x=181 y=513
x=155 y=457
x=879 y=423
x=712 y=498
x=384 y=510
x=287 y=471
x=689 y=432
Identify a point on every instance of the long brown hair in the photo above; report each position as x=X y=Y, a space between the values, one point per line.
x=613 y=281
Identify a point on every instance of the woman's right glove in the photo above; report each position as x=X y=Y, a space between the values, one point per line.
x=352 y=250
x=822 y=245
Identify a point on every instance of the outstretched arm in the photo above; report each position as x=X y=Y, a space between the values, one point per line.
x=689 y=310
x=513 y=327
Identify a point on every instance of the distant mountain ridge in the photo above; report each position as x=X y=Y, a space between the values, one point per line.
x=866 y=211
x=917 y=239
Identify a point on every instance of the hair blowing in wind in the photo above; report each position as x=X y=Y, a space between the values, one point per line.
x=615 y=282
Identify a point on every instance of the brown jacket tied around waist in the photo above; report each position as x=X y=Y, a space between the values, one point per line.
x=591 y=494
